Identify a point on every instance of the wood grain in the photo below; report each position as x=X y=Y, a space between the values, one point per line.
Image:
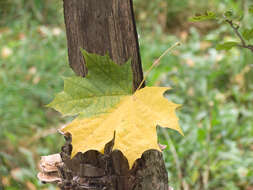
x=102 y=26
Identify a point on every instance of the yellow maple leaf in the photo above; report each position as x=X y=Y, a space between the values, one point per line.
x=134 y=120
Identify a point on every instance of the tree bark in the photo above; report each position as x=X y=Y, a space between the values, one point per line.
x=106 y=26
x=102 y=26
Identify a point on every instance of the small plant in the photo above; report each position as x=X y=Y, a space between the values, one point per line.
x=244 y=34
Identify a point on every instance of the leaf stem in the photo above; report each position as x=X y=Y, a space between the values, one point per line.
x=236 y=30
x=157 y=61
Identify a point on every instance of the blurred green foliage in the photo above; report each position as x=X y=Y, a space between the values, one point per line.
x=214 y=87
x=235 y=21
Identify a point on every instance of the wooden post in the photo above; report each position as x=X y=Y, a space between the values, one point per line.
x=101 y=26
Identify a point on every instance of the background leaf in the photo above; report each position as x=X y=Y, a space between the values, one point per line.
x=207 y=16
x=247 y=33
x=226 y=45
x=251 y=9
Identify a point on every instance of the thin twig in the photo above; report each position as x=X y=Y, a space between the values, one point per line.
x=40 y=135
x=156 y=62
x=236 y=30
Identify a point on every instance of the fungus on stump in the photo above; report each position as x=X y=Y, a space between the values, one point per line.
x=106 y=26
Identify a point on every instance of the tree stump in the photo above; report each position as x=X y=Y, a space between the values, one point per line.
x=106 y=26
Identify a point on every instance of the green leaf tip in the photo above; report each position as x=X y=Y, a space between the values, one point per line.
x=103 y=87
x=248 y=33
x=208 y=15
x=251 y=9
x=226 y=45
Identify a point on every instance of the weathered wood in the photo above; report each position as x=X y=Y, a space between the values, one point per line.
x=106 y=26
x=102 y=26
x=110 y=171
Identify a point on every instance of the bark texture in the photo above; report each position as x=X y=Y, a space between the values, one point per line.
x=106 y=26
x=102 y=26
x=110 y=171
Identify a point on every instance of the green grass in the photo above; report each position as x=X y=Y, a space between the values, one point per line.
x=214 y=87
x=29 y=78
x=215 y=90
